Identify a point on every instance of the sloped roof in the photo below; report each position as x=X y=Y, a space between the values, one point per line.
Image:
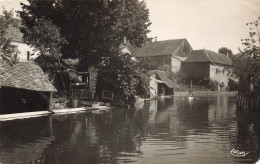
x=208 y=56
x=164 y=77
x=24 y=75
x=158 y=48
x=180 y=58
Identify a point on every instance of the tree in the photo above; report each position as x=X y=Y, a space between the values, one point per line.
x=95 y=32
x=47 y=42
x=7 y=50
x=247 y=66
x=94 y=29
x=125 y=76
x=226 y=51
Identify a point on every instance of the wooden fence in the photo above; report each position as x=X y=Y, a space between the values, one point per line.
x=248 y=102
x=83 y=94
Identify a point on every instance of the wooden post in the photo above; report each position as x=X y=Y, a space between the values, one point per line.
x=50 y=125
x=50 y=102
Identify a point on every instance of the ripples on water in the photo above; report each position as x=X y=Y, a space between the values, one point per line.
x=172 y=130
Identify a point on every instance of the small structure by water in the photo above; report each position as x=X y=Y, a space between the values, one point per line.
x=24 y=88
x=160 y=84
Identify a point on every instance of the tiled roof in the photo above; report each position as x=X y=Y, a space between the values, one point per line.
x=208 y=56
x=164 y=77
x=24 y=75
x=157 y=48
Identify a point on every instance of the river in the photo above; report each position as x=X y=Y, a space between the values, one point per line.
x=172 y=130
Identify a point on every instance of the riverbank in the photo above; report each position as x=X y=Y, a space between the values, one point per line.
x=205 y=93
x=14 y=116
x=6 y=117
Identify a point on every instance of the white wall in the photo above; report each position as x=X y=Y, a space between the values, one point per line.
x=153 y=87
x=217 y=73
x=23 y=49
x=176 y=65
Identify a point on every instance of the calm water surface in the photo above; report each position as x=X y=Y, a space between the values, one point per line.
x=172 y=130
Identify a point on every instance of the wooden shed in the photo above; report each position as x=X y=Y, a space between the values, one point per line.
x=24 y=88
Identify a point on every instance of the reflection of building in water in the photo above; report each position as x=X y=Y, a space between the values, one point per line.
x=152 y=110
x=194 y=114
x=160 y=104
x=220 y=111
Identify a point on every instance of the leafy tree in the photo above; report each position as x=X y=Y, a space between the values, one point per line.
x=95 y=31
x=125 y=77
x=7 y=50
x=46 y=40
x=226 y=51
x=247 y=66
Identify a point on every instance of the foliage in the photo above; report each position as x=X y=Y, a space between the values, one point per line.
x=247 y=66
x=148 y=63
x=125 y=77
x=46 y=40
x=226 y=51
x=94 y=29
x=7 y=50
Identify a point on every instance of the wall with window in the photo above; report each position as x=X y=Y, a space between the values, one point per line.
x=220 y=75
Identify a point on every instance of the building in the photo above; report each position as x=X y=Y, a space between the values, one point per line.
x=24 y=88
x=170 y=52
x=207 y=65
x=160 y=84
x=25 y=51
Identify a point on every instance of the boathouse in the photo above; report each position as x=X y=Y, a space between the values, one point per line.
x=160 y=84
x=24 y=88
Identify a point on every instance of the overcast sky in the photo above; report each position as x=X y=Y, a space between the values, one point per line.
x=208 y=24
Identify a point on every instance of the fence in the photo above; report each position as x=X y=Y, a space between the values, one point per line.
x=248 y=102
x=84 y=94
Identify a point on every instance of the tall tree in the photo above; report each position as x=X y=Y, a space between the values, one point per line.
x=247 y=66
x=94 y=29
x=7 y=50
x=46 y=40
x=95 y=32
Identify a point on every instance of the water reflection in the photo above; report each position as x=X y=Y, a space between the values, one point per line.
x=173 y=130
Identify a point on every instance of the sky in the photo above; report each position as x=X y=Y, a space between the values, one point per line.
x=209 y=24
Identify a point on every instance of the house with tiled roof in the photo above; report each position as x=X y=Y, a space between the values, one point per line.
x=170 y=52
x=207 y=65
